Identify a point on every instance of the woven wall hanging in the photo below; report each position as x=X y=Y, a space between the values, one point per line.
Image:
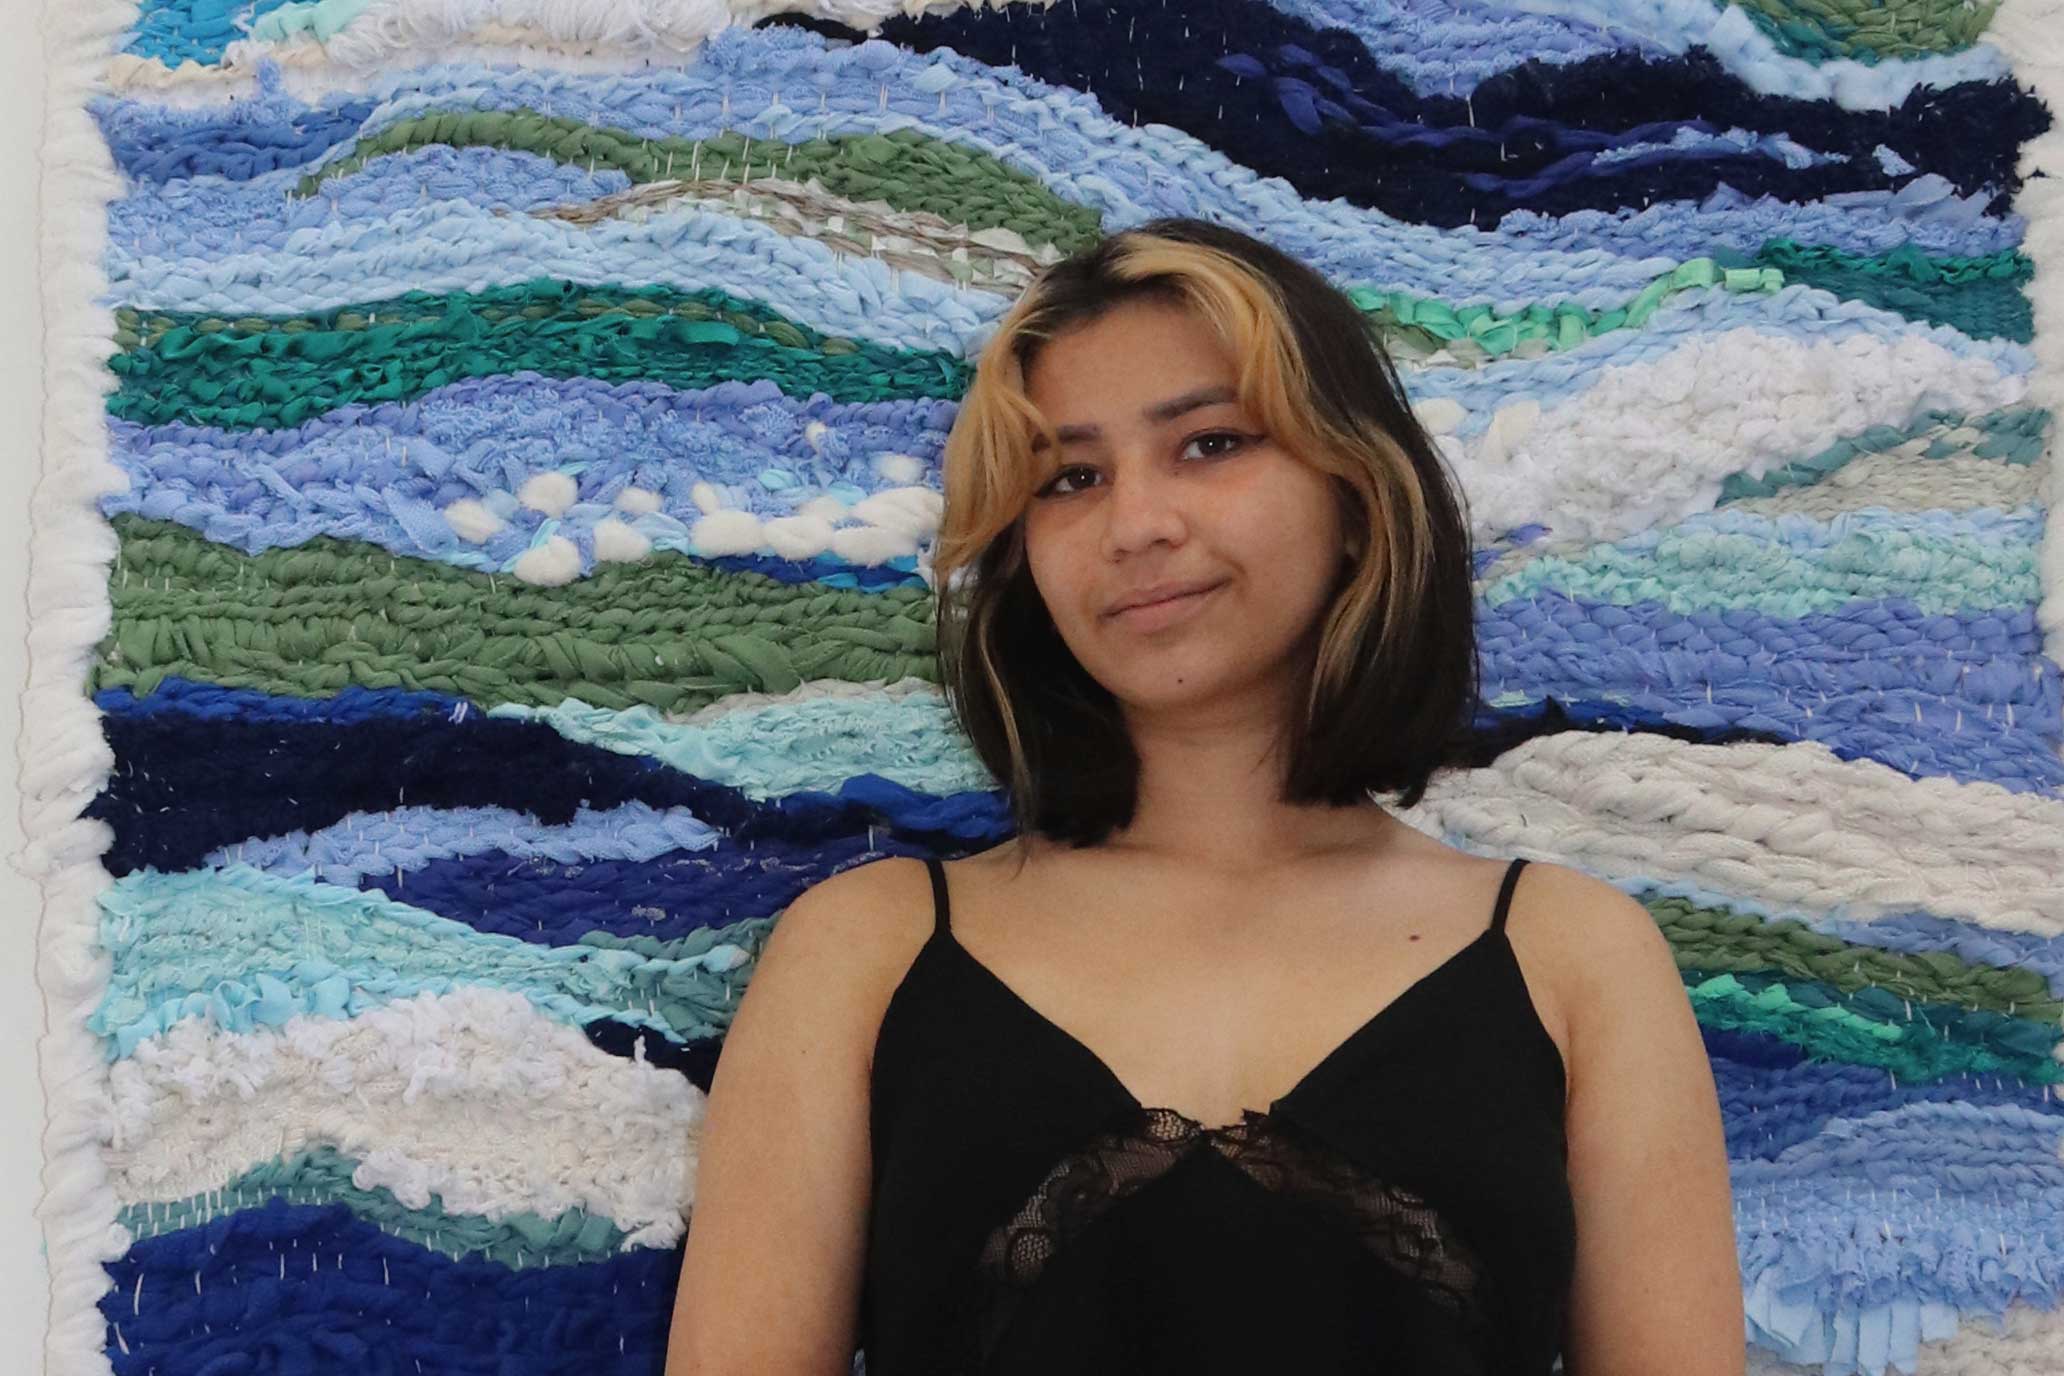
x=480 y=578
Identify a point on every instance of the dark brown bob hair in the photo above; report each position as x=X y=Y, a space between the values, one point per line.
x=1393 y=677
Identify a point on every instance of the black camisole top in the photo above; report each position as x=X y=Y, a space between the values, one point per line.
x=1405 y=1208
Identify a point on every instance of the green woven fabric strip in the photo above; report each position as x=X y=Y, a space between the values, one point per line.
x=749 y=934
x=1984 y=297
x=2018 y=436
x=1718 y=939
x=322 y=1175
x=2018 y=1040
x=908 y=169
x=262 y=372
x=1868 y=31
x=1417 y=325
x=668 y=632
x=540 y=302
x=1914 y=1051
x=273 y=372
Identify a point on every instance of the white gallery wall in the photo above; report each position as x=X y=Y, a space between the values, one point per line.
x=24 y=1286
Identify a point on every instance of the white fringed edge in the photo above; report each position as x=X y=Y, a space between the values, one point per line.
x=65 y=758
x=2031 y=34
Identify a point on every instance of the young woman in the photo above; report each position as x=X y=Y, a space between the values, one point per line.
x=1217 y=1065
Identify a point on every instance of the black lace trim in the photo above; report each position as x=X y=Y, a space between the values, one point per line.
x=1398 y=1228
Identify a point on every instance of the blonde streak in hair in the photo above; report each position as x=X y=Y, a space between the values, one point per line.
x=1012 y=413
x=1344 y=628
x=987 y=458
x=1250 y=322
x=969 y=476
x=965 y=487
x=1216 y=285
x=985 y=454
x=964 y=530
x=1405 y=526
x=1390 y=491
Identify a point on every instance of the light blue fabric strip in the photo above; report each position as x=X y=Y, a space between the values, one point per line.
x=1801 y=565
x=789 y=747
x=246 y=948
x=404 y=839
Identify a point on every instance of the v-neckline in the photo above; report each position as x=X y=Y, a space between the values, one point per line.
x=1304 y=1082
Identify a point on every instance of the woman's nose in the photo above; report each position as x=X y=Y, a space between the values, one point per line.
x=1144 y=506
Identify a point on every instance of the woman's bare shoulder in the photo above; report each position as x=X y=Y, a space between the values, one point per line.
x=1574 y=911
x=1590 y=937
x=828 y=967
x=872 y=916
x=781 y=1185
x=1567 y=927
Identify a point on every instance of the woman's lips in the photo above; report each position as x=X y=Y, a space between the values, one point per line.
x=1154 y=615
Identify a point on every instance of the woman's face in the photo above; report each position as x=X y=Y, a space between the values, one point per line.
x=1164 y=479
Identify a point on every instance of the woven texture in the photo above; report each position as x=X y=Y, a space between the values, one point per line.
x=481 y=576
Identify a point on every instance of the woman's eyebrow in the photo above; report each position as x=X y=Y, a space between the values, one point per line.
x=1209 y=395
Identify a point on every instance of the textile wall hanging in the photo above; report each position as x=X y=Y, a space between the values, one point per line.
x=480 y=577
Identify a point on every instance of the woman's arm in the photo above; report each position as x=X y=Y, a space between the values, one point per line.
x=771 y=1278
x=1658 y=1281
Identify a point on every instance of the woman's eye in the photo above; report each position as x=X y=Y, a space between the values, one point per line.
x=1052 y=487
x=1238 y=441
x=1228 y=442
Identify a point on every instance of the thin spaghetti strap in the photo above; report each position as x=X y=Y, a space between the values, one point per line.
x=1505 y=893
x=942 y=914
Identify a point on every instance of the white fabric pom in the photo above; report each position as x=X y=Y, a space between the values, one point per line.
x=912 y=510
x=550 y=493
x=638 y=501
x=618 y=543
x=797 y=537
x=471 y=521
x=899 y=468
x=551 y=564
x=726 y=532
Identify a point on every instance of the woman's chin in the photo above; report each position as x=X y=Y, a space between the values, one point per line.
x=1149 y=692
